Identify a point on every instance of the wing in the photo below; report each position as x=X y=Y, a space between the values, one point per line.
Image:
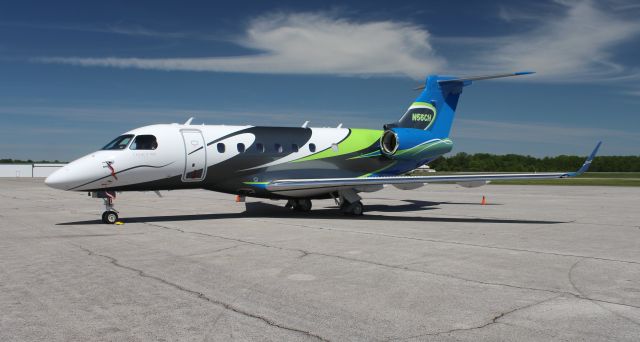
x=343 y=183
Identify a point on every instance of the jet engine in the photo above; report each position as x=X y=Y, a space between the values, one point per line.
x=412 y=144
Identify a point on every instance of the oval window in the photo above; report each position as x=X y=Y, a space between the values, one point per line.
x=312 y=147
x=241 y=147
x=220 y=147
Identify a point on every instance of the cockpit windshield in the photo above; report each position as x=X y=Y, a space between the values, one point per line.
x=144 y=142
x=119 y=143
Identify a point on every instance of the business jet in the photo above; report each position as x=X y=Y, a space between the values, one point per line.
x=297 y=164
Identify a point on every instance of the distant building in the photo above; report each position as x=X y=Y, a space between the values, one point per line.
x=28 y=170
x=425 y=168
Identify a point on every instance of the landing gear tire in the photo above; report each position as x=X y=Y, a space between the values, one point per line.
x=302 y=205
x=109 y=217
x=354 y=209
x=357 y=209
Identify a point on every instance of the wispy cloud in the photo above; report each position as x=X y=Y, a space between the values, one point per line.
x=518 y=134
x=120 y=29
x=511 y=15
x=133 y=116
x=574 y=46
x=624 y=5
x=306 y=43
x=633 y=92
x=566 y=41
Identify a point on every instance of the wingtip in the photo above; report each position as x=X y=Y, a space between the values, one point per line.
x=524 y=73
x=587 y=163
x=595 y=150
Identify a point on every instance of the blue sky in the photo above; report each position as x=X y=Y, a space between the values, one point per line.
x=75 y=74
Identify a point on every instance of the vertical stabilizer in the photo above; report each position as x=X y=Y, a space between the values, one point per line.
x=434 y=109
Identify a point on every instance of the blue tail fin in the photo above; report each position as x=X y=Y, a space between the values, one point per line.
x=435 y=108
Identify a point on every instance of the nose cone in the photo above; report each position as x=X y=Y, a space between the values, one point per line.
x=60 y=179
x=77 y=174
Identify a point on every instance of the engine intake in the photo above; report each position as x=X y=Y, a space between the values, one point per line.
x=412 y=144
x=389 y=143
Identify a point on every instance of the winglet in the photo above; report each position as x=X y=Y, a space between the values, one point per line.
x=587 y=162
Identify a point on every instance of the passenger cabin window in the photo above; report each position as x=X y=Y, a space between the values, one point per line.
x=312 y=147
x=260 y=147
x=241 y=147
x=144 y=142
x=220 y=147
x=119 y=143
x=294 y=147
x=278 y=148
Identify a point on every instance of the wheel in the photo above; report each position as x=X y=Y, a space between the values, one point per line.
x=109 y=217
x=357 y=208
x=291 y=204
x=303 y=205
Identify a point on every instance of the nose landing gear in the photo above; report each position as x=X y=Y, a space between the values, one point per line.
x=110 y=215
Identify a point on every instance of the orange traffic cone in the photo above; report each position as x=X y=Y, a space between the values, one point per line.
x=484 y=201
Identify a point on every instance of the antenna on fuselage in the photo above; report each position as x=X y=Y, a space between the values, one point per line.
x=188 y=121
x=304 y=125
x=340 y=125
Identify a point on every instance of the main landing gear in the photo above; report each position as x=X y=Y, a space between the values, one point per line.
x=352 y=208
x=110 y=215
x=348 y=200
x=303 y=205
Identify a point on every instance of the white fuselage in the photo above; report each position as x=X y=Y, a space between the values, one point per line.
x=181 y=150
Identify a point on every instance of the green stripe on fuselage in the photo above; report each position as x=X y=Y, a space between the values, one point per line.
x=425 y=147
x=379 y=170
x=257 y=184
x=358 y=140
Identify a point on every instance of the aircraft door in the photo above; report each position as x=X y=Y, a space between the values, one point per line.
x=195 y=167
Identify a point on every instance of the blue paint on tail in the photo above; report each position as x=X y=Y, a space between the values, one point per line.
x=438 y=101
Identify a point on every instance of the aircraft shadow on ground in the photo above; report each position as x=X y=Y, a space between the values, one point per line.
x=268 y=210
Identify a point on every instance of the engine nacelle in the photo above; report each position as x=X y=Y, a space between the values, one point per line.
x=412 y=144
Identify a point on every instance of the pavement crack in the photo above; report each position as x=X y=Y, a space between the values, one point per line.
x=454 y=242
x=582 y=295
x=302 y=252
x=202 y=296
x=492 y=321
x=305 y=253
x=212 y=252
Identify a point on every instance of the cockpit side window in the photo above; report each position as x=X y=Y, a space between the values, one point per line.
x=119 y=143
x=144 y=142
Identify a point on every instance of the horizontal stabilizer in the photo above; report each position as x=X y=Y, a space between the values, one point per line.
x=464 y=81
x=485 y=77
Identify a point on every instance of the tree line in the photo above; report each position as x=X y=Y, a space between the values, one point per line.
x=485 y=162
